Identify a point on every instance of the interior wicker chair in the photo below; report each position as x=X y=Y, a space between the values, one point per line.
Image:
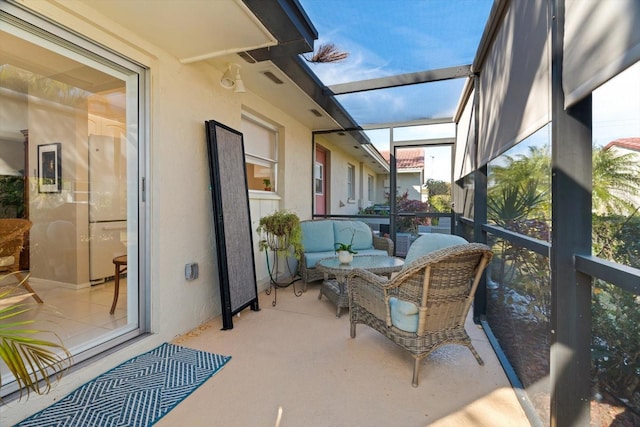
x=12 y=232
x=425 y=306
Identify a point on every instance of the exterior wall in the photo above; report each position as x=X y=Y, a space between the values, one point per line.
x=294 y=177
x=382 y=188
x=179 y=211
x=338 y=203
x=410 y=182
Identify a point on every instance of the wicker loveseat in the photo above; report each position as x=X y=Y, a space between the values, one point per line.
x=319 y=238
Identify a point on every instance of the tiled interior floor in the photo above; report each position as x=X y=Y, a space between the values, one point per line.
x=76 y=316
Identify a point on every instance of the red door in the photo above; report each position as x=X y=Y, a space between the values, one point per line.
x=320 y=182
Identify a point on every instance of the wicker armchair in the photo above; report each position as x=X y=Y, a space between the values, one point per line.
x=12 y=232
x=426 y=304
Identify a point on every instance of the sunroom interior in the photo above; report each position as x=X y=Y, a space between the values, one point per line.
x=530 y=149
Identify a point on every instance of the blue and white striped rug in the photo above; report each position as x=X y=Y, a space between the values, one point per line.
x=139 y=392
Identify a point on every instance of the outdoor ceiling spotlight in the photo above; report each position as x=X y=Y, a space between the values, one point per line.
x=227 y=80
x=231 y=80
x=239 y=83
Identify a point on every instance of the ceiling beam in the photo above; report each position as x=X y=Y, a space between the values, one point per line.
x=418 y=122
x=402 y=80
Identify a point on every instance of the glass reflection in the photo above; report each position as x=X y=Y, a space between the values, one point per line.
x=615 y=350
x=519 y=313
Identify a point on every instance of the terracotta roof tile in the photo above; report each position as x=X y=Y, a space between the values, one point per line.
x=407 y=158
x=628 y=143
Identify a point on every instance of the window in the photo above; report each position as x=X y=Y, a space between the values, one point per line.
x=351 y=182
x=318 y=173
x=370 y=188
x=261 y=152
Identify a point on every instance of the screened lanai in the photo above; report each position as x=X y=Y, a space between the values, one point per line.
x=512 y=123
x=529 y=140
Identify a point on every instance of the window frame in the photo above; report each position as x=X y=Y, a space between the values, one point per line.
x=318 y=178
x=351 y=182
x=264 y=161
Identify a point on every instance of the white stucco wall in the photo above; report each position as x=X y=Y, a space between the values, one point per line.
x=179 y=212
x=410 y=183
x=339 y=204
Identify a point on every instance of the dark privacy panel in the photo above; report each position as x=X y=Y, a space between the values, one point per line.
x=234 y=242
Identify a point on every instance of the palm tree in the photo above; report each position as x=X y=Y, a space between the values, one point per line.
x=518 y=200
x=512 y=203
x=525 y=179
x=616 y=182
x=31 y=360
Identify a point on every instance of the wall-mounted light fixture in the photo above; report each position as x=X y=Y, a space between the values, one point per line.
x=231 y=79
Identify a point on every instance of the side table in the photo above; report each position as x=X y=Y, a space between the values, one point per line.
x=121 y=267
x=334 y=286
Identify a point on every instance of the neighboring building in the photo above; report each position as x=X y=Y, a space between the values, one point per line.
x=624 y=146
x=409 y=172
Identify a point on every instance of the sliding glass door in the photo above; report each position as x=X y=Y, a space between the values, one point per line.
x=69 y=163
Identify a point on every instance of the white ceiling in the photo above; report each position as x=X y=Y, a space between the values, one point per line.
x=214 y=31
x=190 y=29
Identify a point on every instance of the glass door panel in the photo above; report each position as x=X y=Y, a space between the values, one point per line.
x=69 y=164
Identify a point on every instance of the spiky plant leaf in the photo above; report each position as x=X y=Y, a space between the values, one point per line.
x=32 y=361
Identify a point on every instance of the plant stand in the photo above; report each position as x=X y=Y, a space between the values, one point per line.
x=273 y=281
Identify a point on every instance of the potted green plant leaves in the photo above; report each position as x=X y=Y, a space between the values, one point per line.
x=345 y=250
x=281 y=233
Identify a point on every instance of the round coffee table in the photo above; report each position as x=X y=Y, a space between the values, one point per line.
x=334 y=286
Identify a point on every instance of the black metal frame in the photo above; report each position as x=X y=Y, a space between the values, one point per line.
x=571 y=165
x=225 y=208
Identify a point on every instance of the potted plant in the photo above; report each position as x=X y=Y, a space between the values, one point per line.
x=267 y=184
x=345 y=251
x=281 y=233
x=30 y=359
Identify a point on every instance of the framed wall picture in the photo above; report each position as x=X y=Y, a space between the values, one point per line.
x=49 y=168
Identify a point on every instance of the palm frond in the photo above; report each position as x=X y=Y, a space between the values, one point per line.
x=32 y=361
x=327 y=53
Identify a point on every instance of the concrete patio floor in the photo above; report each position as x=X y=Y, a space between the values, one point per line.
x=299 y=357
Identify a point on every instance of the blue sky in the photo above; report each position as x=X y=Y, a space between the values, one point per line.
x=390 y=37
x=616 y=107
